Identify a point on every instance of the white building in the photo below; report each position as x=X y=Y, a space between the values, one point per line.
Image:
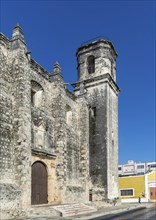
x=133 y=168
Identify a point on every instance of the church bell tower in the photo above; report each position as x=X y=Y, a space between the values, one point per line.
x=97 y=84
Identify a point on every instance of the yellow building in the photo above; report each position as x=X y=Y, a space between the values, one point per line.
x=133 y=187
x=150 y=186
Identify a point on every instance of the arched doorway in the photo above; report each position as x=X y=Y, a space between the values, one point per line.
x=38 y=184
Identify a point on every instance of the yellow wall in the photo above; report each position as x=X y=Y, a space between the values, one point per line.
x=152 y=176
x=134 y=182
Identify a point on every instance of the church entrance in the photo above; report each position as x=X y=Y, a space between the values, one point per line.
x=38 y=184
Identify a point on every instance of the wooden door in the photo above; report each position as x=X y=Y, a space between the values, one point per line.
x=153 y=193
x=39 y=184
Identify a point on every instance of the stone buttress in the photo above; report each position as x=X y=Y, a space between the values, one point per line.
x=16 y=124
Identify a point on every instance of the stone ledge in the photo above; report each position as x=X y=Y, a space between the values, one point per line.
x=41 y=152
x=106 y=78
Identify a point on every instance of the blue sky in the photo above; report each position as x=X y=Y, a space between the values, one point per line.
x=54 y=30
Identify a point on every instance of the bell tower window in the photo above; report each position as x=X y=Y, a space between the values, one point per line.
x=91 y=64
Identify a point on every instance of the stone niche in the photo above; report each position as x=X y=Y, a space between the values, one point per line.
x=42 y=130
x=36 y=94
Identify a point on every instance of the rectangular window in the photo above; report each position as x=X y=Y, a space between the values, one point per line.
x=119 y=168
x=153 y=165
x=90 y=195
x=128 y=168
x=140 y=173
x=94 y=111
x=126 y=192
x=140 y=166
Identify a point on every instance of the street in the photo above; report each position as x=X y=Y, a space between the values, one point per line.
x=138 y=213
x=142 y=214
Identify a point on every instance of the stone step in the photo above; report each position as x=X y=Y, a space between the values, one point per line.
x=60 y=210
x=74 y=209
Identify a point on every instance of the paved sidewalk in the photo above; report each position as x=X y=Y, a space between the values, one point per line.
x=100 y=212
x=114 y=210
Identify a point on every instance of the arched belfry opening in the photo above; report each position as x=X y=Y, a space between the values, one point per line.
x=39 y=184
x=91 y=64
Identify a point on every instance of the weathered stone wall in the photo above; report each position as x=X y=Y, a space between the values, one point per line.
x=15 y=124
x=97 y=100
x=6 y=116
x=101 y=93
x=74 y=135
x=112 y=144
x=10 y=201
x=77 y=154
x=42 y=120
x=22 y=127
x=63 y=114
x=10 y=194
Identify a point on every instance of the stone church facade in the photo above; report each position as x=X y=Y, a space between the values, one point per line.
x=57 y=146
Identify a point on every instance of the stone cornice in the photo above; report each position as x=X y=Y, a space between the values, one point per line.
x=39 y=69
x=71 y=95
x=39 y=152
x=4 y=39
x=105 y=78
x=7 y=41
x=12 y=40
x=95 y=43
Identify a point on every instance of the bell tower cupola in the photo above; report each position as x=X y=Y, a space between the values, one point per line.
x=95 y=59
